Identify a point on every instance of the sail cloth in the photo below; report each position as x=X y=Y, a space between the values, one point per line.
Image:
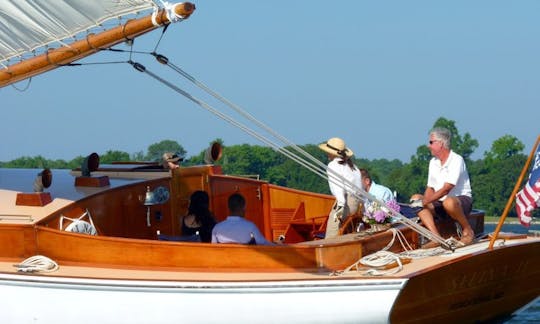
x=26 y=25
x=529 y=197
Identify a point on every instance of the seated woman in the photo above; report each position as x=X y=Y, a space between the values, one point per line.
x=199 y=218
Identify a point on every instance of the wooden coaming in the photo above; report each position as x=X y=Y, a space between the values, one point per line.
x=17 y=240
x=119 y=211
x=111 y=251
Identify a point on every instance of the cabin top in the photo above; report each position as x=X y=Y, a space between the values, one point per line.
x=11 y=213
x=16 y=187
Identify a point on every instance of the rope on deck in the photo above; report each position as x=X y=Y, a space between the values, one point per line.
x=37 y=263
x=384 y=262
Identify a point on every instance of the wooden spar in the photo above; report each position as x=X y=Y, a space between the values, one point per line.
x=513 y=195
x=92 y=44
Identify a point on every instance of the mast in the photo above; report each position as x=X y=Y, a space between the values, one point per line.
x=91 y=44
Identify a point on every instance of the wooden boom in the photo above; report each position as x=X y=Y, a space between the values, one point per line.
x=88 y=46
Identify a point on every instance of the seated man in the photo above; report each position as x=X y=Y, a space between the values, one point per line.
x=379 y=191
x=237 y=229
x=448 y=190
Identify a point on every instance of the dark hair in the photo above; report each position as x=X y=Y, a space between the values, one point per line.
x=236 y=202
x=365 y=175
x=199 y=203
x=346 y=160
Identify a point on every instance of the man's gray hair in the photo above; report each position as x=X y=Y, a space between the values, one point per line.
x=442 y=134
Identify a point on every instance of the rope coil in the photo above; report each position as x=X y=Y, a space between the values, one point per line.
x=37 y=263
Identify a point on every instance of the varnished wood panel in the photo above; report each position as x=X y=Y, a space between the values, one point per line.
x=470 y=290
x=223 y=186
x=316 y=205
x=17 y=241
x=145 y=253
x=120 y=211
x=134 y=252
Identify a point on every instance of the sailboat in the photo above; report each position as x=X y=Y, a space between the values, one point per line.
x=87 y=246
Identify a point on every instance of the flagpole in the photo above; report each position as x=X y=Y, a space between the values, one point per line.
x=513 y=195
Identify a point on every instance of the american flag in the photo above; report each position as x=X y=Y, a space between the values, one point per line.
x=529 y=197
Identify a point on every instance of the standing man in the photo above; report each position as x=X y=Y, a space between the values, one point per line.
x=448 y=190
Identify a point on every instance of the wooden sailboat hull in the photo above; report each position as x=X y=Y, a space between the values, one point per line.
x=473 y=287
x=458 y=290
x=127 y=275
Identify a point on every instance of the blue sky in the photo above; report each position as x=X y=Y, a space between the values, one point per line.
x=375 y=73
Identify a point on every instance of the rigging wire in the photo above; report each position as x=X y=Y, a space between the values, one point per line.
x=317 y=167
x=94 y=63
x=311 y=163
x=308 y=161
x=232 y=121
x=331 y=176
x=164 y=60
x=25 y=87
x=160 y=37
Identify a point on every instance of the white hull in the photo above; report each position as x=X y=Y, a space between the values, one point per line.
x=67 y=300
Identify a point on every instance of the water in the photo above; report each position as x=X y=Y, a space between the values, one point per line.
x=531 y=313
x=513 y=227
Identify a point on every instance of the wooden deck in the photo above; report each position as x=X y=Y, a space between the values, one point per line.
x=414 y=268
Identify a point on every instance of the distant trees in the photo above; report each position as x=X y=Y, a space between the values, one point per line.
x=492 y=178
x=39 y=162
x=112 y=156
x=155 y=151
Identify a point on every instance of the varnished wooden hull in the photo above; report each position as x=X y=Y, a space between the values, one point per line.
x=472 y=288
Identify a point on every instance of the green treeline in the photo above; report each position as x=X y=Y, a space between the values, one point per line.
x=492 y=178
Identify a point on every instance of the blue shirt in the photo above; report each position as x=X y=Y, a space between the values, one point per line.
x=237 y=229
x=381 y=192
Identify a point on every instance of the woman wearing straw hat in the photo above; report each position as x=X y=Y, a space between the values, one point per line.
x=343 y=179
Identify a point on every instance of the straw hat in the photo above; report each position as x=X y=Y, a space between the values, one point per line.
x=336 y=146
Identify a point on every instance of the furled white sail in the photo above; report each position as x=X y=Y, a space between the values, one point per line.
x=26 y=25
